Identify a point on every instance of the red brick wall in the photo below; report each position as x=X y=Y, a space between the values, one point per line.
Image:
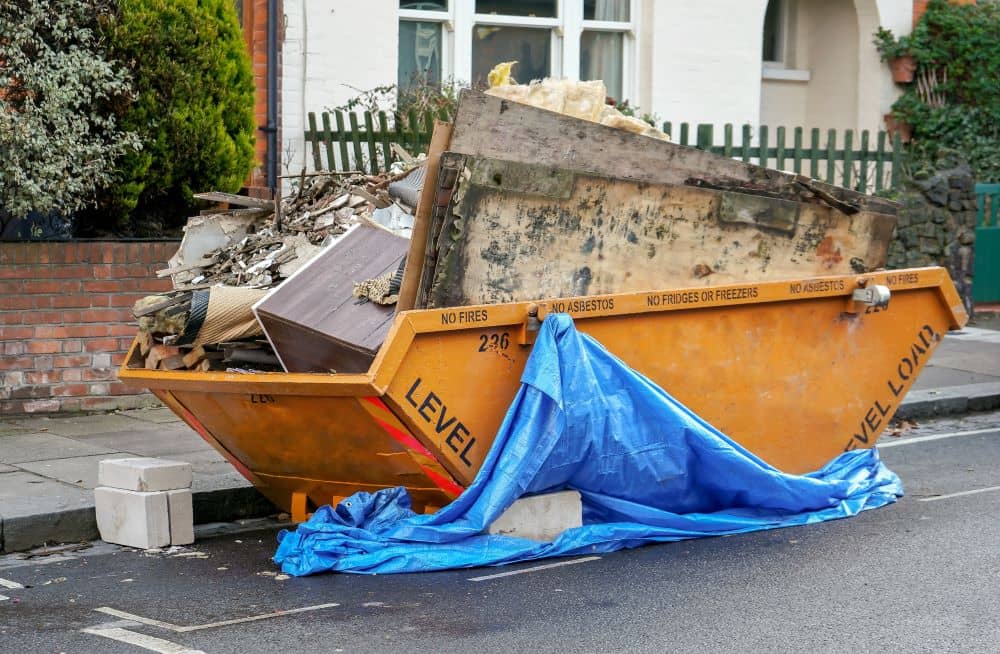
x=64 y=322
x=254 y=21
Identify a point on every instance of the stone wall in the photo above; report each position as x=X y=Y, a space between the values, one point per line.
x=937 y=222
x=65 y=322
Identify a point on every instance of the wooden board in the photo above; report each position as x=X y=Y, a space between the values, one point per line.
x=422 y=219
x=313 y=320
x=516 y=232
x=486 y=126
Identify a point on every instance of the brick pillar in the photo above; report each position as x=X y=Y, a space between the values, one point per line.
x=255 y=32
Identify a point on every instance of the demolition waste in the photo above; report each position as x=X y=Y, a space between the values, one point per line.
x=421 y=299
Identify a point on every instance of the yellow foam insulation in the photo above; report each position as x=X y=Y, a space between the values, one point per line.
x=584 y=100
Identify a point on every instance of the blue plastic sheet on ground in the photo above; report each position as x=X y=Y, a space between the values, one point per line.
x=648 y=469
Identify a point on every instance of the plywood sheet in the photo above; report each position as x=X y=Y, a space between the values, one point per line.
x=515 y=232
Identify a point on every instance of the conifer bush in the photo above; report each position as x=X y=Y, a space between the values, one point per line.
x=192 y=106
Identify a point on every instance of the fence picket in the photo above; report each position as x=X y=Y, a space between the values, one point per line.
x=383 y=124
x=863 y=162
x=370 y=138
x=797 y=162
x=848 y=157
x=359 y=160
x=764 y=153
x=344 y=161
x=831 y=156
x=879 y=159
x=779 y=157
x=316 y=141
x=814 y=153
x=328 y=137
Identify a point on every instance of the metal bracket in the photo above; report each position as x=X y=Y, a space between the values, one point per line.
x=875 y=297
x=529 y=328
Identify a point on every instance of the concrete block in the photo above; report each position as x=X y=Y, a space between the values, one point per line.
x=540 y=517
x=144 y=474
x=181 y=511
x=132 y=518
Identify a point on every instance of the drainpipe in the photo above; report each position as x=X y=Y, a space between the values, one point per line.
x=271 y=163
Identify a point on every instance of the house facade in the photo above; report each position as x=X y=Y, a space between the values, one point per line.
x=808 y=63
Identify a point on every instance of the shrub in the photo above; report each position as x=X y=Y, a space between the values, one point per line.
x=58 y=143
x=956 y=102
x=193 y=106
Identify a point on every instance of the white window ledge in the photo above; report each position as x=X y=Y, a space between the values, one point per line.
x=784 y=74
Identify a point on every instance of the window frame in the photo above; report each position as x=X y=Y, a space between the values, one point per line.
x=566 y=29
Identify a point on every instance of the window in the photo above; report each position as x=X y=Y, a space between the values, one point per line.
x=465 y=39
x=774 y=32
x=602 y=43
x=421 y=43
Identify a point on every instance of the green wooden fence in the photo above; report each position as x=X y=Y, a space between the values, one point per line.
x=353 y=142
x=835 y=161
x=365 y=142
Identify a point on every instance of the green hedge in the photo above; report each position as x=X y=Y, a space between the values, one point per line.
x=960 y=46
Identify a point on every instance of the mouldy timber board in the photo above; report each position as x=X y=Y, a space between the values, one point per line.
x=519 y=232
x=487 y=126
x=313 y=320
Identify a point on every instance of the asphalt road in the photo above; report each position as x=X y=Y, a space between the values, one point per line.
x=922 y=575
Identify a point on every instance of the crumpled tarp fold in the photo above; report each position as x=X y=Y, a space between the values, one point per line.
x=648 y=470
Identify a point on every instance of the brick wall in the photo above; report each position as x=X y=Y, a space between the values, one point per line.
x=64 y=322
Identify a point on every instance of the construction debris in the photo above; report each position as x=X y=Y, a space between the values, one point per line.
x=229 y=259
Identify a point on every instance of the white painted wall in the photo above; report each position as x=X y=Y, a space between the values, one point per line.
x=698 y=61
x=706 y=60
x=331 y=49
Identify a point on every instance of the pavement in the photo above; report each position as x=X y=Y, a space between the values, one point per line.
x=48 y=464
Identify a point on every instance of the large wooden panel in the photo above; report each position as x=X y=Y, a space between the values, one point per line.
x=313 y=319
x=516 y=232
x=487 y=126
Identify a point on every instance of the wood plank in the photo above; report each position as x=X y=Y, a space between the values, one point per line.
x=421 y=225
x=238 y=200
x=486 y=126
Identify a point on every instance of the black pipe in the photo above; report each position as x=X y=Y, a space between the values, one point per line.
x=271 y=163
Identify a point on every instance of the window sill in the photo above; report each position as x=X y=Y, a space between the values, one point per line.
x=784 y=74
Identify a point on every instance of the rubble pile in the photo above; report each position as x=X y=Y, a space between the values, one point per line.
x=255 y=249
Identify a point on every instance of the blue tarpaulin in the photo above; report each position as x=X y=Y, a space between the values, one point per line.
x=648 y=470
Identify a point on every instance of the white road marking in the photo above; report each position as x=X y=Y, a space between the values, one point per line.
x=151 y=643
x=959 y=494
x=937 y=437
x=535 y=568
x=224 y=623
x=7 y=583
x=3 y=597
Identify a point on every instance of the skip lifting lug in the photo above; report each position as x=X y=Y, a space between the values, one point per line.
x=874 y=297
x=530 y=326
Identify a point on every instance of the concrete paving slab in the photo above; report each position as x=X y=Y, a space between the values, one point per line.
x=80 y=471
x=157 y=440
x=943 y=376
x=9 y=429
x=6 y=468
x=159 y=415
x=74 y=425
x=24 y=493
x=21 y=448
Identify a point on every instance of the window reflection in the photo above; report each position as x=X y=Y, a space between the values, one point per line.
x=601 y=58
x=528 y=46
